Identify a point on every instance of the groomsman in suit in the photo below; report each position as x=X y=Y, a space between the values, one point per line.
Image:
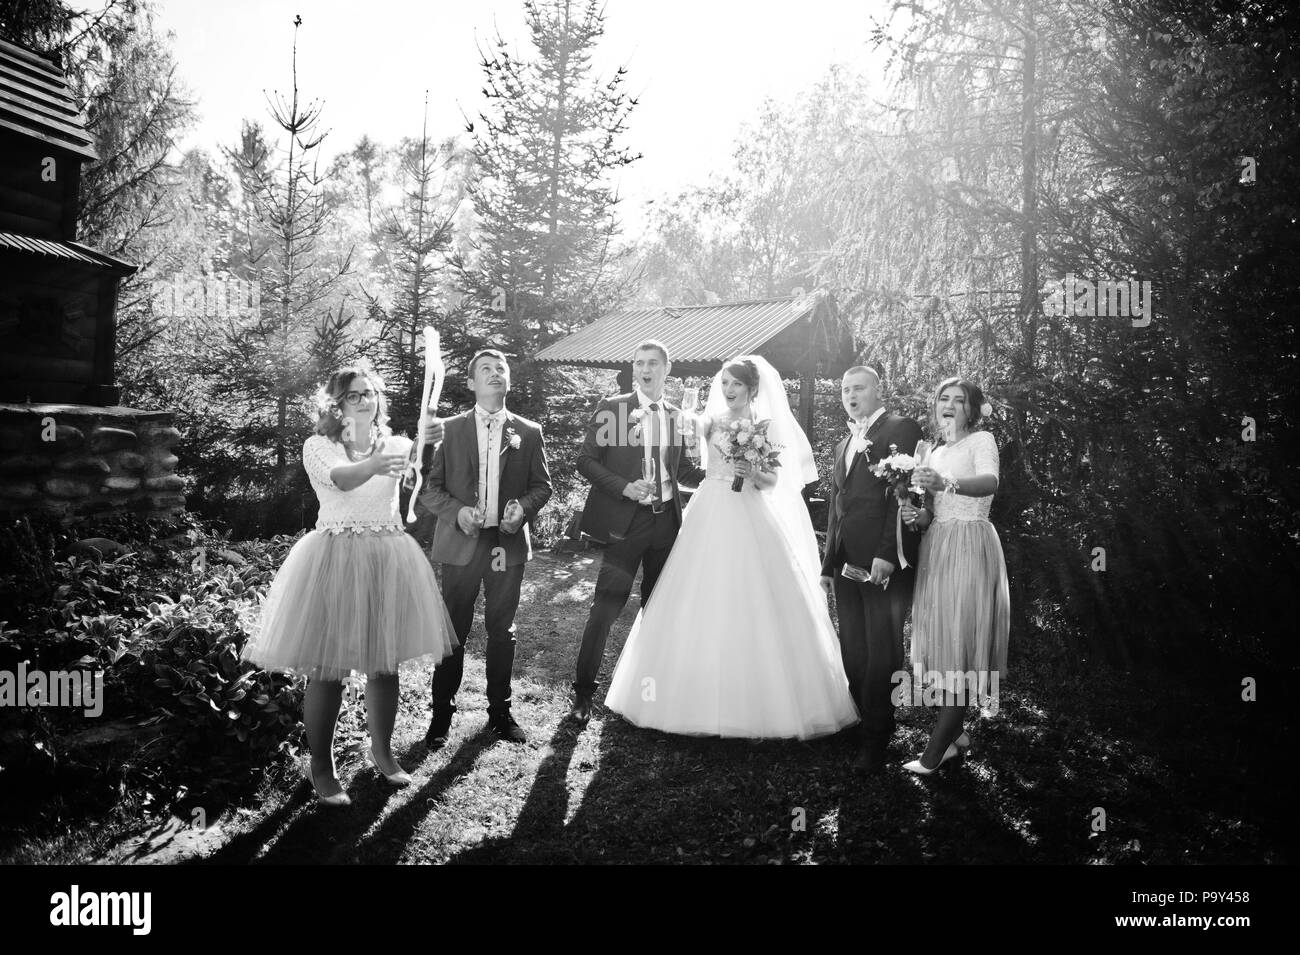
x=487 y=481
x=638 y=519
x=862 y=531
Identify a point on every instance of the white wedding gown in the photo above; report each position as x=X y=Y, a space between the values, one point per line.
x=736 y=639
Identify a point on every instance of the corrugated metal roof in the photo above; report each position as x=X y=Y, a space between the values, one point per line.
x=693 y=333
x=35 y=101
x=73 y=251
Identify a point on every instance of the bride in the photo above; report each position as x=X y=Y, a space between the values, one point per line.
x=737 y=640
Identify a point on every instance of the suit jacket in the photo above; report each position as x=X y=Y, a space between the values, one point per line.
x=610 y=459
x=453 y=483
x=863 y=508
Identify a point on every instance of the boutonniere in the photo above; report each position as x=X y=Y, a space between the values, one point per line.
x=512 y=439
x=635 y=417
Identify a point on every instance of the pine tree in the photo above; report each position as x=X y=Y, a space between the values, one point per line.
x=271 y=364
x=546 y=142
x=416 y=237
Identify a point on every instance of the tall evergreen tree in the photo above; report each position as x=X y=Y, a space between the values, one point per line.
x=271 y=363
x=546 y=142
x=414 y=289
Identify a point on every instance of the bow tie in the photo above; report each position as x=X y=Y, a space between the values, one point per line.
x=858 y=430
x=496 y=417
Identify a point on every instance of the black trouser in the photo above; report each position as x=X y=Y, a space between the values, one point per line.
x=460 y=586
x=871 y=645
x=649 y=539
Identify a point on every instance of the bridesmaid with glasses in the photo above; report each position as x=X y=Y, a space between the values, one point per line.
x=356 y=594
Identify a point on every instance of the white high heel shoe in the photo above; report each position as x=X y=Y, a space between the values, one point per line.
x=337 y=799
x=400 y=778
x=915 y=765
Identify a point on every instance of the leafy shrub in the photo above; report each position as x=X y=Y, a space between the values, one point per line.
x=185 y=660
x=165 y=622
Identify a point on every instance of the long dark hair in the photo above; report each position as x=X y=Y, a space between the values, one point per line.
x=329 y=401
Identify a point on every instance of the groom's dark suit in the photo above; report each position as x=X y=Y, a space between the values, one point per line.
x=637 y=536
x=862 y=527
x=494 y=560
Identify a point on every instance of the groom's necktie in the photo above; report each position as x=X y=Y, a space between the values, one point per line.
x=490 y=465
x=656 y=449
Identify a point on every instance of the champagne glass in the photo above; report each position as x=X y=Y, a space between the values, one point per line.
x=648 y=474
x=690 y=401
x=690 y=424
x=922 y=456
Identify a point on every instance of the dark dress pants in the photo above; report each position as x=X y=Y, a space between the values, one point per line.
x=871 y=645
x=460 y=589
x=647 y=544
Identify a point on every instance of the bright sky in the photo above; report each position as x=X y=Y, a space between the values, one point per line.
x=700 y=68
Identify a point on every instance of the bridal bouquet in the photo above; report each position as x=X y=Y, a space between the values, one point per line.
x=746 y=440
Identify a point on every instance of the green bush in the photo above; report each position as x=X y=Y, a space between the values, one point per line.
x=165 y=622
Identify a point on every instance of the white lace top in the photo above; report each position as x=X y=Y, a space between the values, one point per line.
x=977 y=453
x=370 y=508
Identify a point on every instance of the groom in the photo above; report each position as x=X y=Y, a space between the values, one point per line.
x=487 y=480
x=862 y=531
x=637 y=518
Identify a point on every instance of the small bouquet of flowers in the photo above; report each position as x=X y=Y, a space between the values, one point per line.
x=895 y=469
x=746 y=440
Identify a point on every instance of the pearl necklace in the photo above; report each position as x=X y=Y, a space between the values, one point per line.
x=357 y=457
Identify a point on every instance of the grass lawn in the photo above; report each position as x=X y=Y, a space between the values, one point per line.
x=1169 y=766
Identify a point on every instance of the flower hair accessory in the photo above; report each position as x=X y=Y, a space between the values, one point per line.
x=986 y=409
x=325 y=405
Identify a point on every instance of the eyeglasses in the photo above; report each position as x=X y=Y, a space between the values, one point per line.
x=353 y=398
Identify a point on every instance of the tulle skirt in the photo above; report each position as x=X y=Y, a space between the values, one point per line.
x=961 y=611
x=736 y=639
x=351 y=602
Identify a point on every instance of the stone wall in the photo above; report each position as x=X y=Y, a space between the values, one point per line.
x=72 y=460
